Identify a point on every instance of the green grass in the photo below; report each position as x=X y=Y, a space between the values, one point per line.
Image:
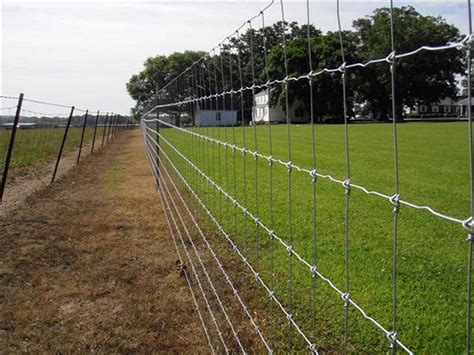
x=432 y=253
x=36 y=147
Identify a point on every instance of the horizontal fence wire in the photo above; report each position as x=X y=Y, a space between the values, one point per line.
x=312 y=173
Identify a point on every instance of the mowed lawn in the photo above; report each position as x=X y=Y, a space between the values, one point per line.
x=35 y=147
x=432 y=252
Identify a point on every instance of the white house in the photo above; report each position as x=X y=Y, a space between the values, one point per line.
x=263 y=112
x=462 y=107
x=209 y=115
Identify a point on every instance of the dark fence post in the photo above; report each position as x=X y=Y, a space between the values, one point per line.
x=82 y=136
x=158 y=145
x=95 y=131
x=10 y=147
x=114 y=128
x=62 y=145
x=105 y=128
x=110 y=126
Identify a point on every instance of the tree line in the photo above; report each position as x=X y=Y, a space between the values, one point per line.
x=425 y=77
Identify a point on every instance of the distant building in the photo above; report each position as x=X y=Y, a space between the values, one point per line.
x=263 y=112
x=462 y=107
x=212 y=113
x=446 y=107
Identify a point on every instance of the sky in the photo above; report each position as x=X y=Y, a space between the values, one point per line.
x=83 y=53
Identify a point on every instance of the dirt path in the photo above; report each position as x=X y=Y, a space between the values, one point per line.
x=18 y=188
x=86 y=264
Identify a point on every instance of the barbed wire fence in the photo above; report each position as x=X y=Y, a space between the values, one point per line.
x=218 y=177
x=35 y=134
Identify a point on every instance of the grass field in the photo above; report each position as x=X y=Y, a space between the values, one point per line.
x=35 y=147
x=432 y=253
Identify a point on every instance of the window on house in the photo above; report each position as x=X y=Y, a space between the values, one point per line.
x=447 y=108
x=423 y=108
x=218 y=116
x=435 y=108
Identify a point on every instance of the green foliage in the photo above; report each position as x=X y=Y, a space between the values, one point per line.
x=426 y=77
x=158 y=71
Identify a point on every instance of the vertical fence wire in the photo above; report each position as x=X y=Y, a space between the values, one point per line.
x=313 y=156
x=470 y=238
x=289 y=167
x=396 y=196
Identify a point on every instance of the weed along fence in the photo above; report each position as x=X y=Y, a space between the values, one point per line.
x=353 y=237
x=35 y=135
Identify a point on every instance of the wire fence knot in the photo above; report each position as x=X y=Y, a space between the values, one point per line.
x=392 y=337
x=314 y=270
x=314 y=175
x=270 y=160
x=255 y=155
x=395 y=201
x=342 y=68
x=345 y=298
x=272 y=234
x=347 y=185
x=288 y=165
x=468 y=225
x=289 y=249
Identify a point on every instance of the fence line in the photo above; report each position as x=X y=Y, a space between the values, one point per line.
x=37 y=136
x=313 y=269
x=187 y=91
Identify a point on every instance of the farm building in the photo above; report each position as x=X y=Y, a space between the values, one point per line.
x=216 y=113
x=446 y=107
x=263 y=112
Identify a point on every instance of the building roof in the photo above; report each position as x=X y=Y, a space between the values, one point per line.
x=464 y=101
x=262 y=93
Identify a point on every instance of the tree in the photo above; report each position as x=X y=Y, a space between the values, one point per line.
x=158 y=71
x=327 y=87
x=422 y=78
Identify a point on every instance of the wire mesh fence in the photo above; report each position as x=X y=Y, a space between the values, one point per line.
x=34 y=135
x=354 y=239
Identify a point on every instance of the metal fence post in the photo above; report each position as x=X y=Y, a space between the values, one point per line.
x=157 y=146
x=82 y=136
x=62 y=145
x=110 y=125
x=10 y=147
x=95 y=132
x=114 y=129
x=105 y=128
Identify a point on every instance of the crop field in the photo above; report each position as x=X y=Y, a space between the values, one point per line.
x=36 y=147
x=432 y=252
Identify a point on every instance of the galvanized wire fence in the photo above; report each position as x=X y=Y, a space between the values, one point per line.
x=270 y=210
x=34 y=135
